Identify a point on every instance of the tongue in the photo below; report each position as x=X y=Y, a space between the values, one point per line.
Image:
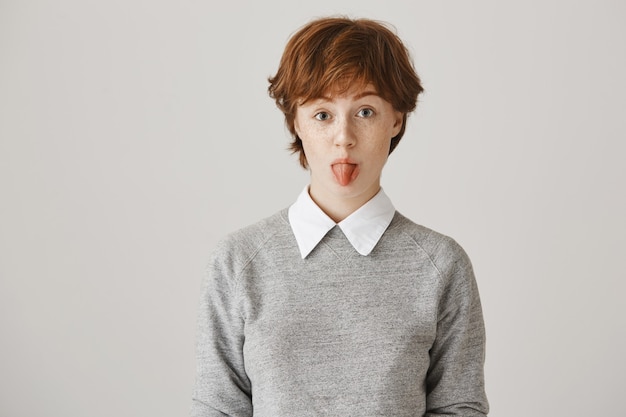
x=344 y=173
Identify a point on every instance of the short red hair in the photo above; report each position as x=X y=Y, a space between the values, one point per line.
x=335 y=54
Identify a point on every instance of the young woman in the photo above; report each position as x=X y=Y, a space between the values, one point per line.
x=339 y=305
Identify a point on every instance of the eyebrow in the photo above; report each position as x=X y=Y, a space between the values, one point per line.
x=366 y=93
x=356 y=97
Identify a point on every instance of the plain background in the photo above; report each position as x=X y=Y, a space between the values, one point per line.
x=134 y=134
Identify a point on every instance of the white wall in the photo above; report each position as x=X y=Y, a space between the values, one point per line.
x=133 y=134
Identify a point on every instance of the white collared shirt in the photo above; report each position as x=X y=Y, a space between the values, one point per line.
x=363 y=228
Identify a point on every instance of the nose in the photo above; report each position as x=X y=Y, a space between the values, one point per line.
x=345 y=134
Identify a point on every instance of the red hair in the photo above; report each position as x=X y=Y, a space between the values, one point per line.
x=332 y=55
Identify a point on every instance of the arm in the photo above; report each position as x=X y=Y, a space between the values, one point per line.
x=222 y=387
x=455 y=381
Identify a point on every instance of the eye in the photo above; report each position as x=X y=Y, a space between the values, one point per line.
x=365 y=112
x=322 y=116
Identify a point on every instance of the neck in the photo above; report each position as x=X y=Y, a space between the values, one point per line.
x=338 y=208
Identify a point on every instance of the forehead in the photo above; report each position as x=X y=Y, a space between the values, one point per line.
x=353 y=93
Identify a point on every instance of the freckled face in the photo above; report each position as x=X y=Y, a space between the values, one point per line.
x=346 y=141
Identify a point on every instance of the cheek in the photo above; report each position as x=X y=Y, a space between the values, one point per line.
x=310 y=130
x=382 y=146
x=382 y=151
x=310 y=149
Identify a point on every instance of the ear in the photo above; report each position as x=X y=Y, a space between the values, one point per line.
x=296 y=125
x=397 y=126
x=296 y=128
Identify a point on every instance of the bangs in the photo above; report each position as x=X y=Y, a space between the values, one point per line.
x=337 y=59
x=332 y=84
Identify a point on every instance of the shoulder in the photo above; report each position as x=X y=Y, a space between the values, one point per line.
x=255 y=235
x=445 y=253
x=236 y=249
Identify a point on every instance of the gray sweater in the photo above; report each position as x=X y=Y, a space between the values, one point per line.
x=396 y=333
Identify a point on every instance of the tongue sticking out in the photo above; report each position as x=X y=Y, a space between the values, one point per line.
x=345 y=173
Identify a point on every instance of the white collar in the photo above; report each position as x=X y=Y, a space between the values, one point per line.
x=363 y=228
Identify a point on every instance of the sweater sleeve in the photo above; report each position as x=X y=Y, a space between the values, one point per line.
x=455 y=379
x=222 y=387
